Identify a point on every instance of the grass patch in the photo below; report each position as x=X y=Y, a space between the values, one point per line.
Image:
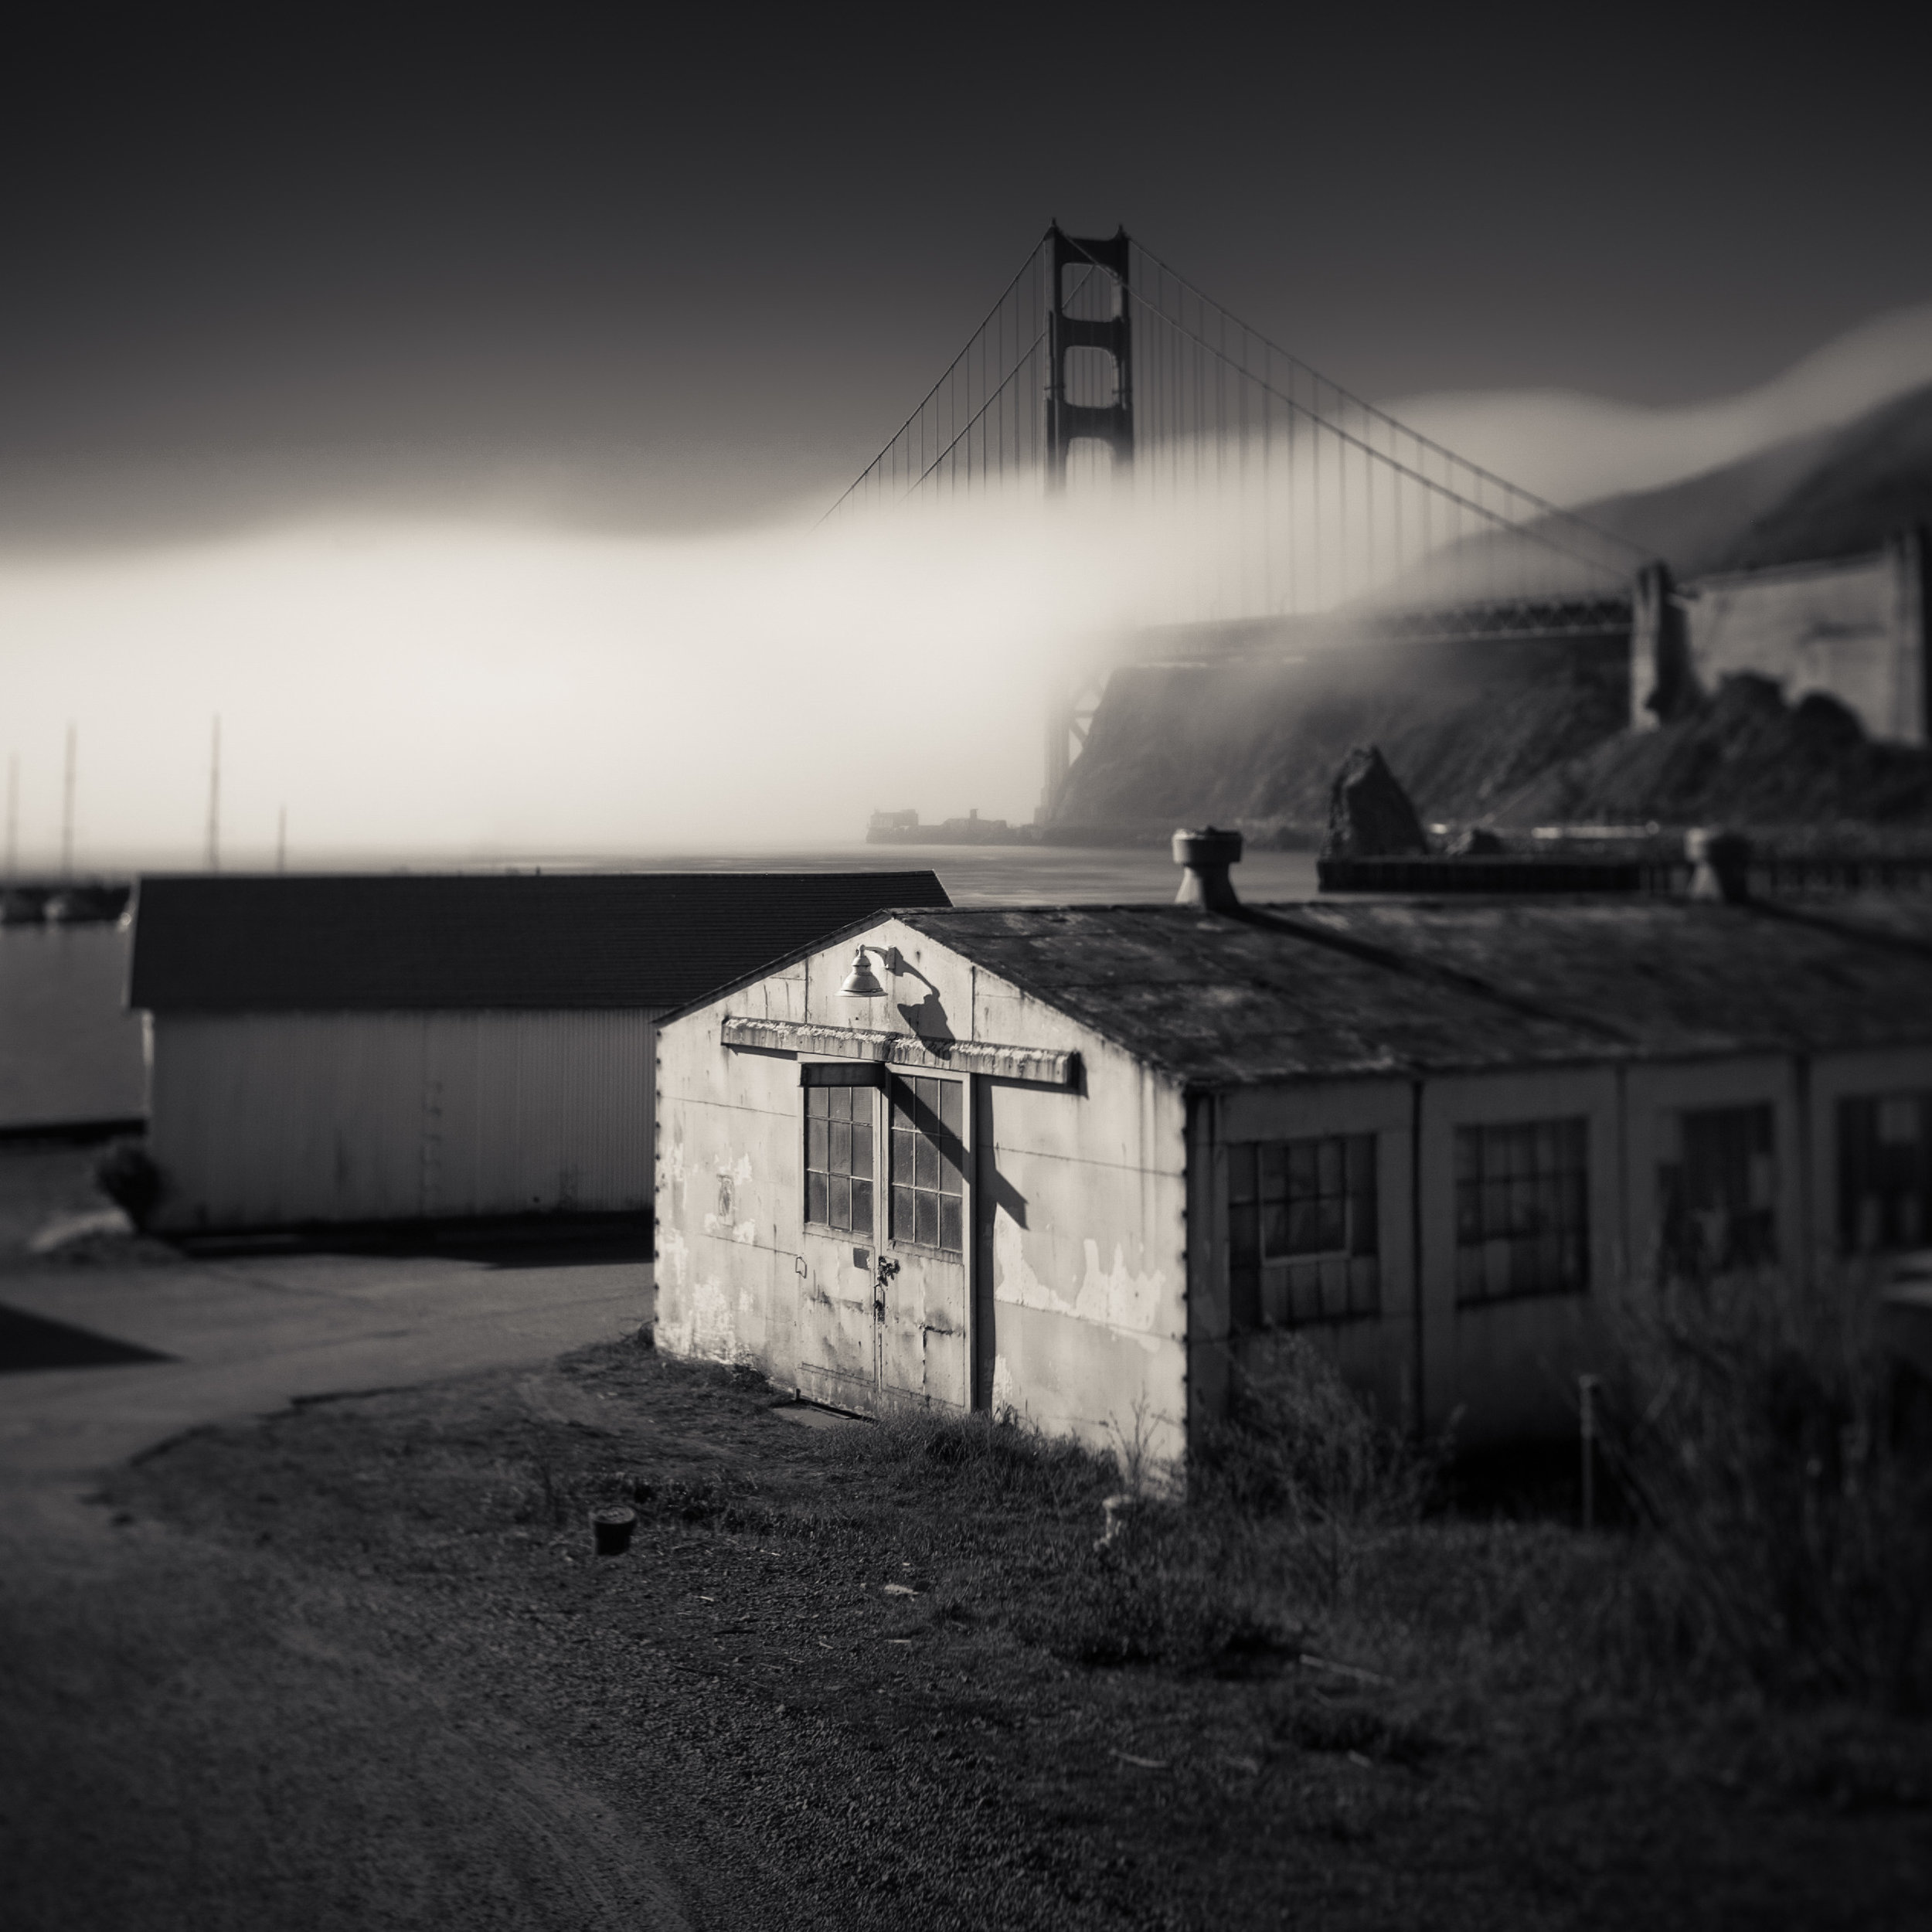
x=899 y=1673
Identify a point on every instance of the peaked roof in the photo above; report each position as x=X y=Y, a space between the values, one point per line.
x=323 y=943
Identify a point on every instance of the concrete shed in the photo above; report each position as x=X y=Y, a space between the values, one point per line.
x=1078 y=1163
x=352 y=1048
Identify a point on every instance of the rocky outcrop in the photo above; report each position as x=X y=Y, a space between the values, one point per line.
x=1369 y=814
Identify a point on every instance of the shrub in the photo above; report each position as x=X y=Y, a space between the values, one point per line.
x=125 y=1171
x=1296 y=1442
x=1754 y=1424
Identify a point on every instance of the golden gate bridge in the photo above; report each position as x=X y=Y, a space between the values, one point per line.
x=1281 y=511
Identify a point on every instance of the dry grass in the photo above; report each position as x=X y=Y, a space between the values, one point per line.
x=900 y=1655
x=1791 y=1514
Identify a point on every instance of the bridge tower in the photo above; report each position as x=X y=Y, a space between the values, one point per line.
x=1071 y=704
x=1068 y=422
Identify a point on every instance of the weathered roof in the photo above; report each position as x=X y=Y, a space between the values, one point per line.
x=353 y=942
x=1672 y=977
x=1225 y=1001
x=1325 y=990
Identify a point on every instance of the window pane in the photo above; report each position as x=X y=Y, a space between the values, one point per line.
x=838 y=1200
x=1328 y=1174
x=926 y=1170
x=902 y=1163
x=1522 y=1208
x=1277 y=1164
x=927 y=1226
x=1278 y=1223
x=815 y=1198
x=815 y=1141
x=1333 y=1234
x=815 y=1102
x=902 y=1216
x=862 y=1207
x=861 y=1150
x=839 y=1160
x=1301 y=1169
x=951 y=1104
x=1303 y=1234
x=949 y=1224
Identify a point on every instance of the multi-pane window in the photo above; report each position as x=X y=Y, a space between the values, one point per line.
x=1301 y=1230
x=927 y=1154
x=838 y=1152
x=1717 y=1187
x=1522 y=1209
x=1885 y=1173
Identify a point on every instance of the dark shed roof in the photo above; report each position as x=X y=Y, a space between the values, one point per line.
x=1220 y=1001
x=331 y=944
x=1672 y=977
x=1316 y=990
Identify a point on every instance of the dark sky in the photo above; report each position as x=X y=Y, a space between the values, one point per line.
x=634 y=272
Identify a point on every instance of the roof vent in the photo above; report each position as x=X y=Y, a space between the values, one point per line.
x=1207 y=855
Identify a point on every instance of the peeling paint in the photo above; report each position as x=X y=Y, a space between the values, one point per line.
x=1120 y=1300
x=1124 y=1302
x=673 y=1253
x=1003 y=1403
x=744 y=1232
x=713 y=1334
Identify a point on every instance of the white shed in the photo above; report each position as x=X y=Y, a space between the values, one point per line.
x=344 y=1049
x=1079 y=1162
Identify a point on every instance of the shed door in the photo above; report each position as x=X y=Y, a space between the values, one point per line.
x=924 y=1345
x=838 y=1316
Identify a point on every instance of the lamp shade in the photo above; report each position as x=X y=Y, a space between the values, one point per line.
x=860 y=983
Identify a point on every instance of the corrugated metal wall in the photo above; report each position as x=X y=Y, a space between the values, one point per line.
x=260 y=1120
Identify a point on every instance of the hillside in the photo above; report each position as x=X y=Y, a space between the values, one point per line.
x=1462 y=726
x=1471 y=730
x=1830 y=495
x=1743 y=758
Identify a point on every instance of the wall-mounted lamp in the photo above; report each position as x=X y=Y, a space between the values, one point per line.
x=860 y=982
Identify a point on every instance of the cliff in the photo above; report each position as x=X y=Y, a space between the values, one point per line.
x=1463 y=726
x=1470 y=729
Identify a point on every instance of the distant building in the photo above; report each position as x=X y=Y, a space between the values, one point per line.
x=1853 y=627
x=352 y=1048
x=1078 y=1162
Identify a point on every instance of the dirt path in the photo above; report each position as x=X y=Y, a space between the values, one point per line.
x=192 y=1737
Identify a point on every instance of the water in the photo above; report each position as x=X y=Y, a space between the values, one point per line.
x=1018 y=874
x=69 y=1053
